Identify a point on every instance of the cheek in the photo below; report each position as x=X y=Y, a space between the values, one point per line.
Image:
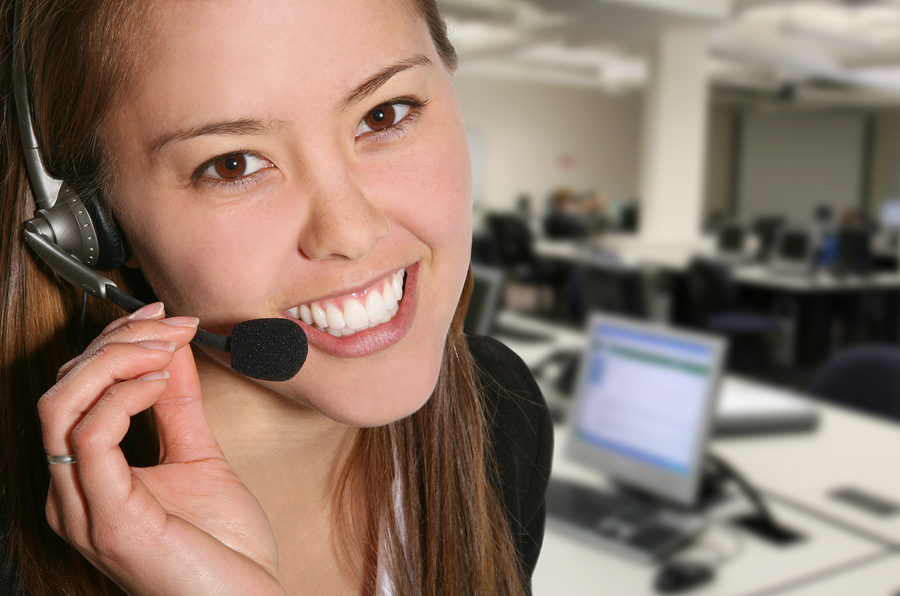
x=183 y=255
x=429 y=191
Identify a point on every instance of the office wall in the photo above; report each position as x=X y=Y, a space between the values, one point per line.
x=534 y=138
x=720 y=154
x=791 y=161
x=885 y=161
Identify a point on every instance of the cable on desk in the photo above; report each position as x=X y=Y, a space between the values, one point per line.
x=763 y=523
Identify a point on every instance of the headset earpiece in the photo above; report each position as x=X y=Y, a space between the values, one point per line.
x=83 y=229
x=113 y=250
x=79 y=225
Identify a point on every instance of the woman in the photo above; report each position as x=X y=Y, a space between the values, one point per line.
x=301 y=160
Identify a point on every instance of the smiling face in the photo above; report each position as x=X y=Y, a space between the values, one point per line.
x=303 y=159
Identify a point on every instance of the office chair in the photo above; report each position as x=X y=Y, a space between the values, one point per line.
x=714 y=307
x=865 y=377
x=514 y=250
x=854 y=253
x=612 y=289
x=565 y=226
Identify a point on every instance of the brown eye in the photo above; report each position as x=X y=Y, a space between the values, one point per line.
x=234 y=167
x=231 y=166
x=381 y=117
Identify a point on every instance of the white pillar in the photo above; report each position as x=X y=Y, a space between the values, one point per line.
x=674 y=139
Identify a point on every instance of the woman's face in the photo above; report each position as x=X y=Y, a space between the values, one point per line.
x=288 y=159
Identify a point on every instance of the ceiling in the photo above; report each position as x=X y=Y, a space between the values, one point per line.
x=812 y=51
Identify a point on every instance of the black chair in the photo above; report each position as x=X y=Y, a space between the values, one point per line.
x=612 y=289
x=714 y=307
x=854 y=253
x=565 y=226
x=864 y=377
x=514 y=249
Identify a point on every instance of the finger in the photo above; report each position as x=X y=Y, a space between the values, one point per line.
x=103 y=472
x=184 y=433
x=154 y=311
x=100 y=480
x=66 y=508
x=65 y=403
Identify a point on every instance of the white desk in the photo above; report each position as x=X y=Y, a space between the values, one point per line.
x=847 y=549
x=817 y=283
x=574 y=568
x=628 y=250
x=848 y=449
x=879 y=577
x=631 y=251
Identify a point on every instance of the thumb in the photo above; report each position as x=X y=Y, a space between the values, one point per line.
x=184 y=434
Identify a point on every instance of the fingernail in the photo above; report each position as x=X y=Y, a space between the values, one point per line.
x=154 y=376
x=182 y=321
x=165 y=346
x=149 y=311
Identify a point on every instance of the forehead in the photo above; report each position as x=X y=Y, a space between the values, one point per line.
x=221 y=49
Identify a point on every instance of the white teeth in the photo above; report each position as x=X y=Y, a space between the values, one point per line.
x=318 y=315
x=375 y=307
x=355 y=315
x=397 y=284
x=390 y=299
x=381 y=305
x=335 y=317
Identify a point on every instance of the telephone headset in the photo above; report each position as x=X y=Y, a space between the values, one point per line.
x=75 y=236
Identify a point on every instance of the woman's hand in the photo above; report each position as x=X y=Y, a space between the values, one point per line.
x=186 y=526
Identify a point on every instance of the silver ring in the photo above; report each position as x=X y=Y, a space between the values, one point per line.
x=55 y=460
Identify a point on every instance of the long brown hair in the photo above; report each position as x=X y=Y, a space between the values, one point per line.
x=452 y=538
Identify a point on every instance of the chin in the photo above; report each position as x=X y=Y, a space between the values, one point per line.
x=392 y=400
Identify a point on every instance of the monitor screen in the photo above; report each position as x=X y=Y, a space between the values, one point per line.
x=890 y=214
x=643 y=405
x=731 y=239
x=793 y=245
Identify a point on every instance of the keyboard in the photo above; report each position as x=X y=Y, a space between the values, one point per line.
x=637 y=528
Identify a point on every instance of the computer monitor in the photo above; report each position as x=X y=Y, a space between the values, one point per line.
x=614 y=289
x=486 y=293
x=730 y=240
x=766 y=229
x=644 y=404
x=890 y=214
x=793 y=245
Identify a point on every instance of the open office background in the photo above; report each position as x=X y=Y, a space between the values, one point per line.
x=696 y=111
x=555 y=92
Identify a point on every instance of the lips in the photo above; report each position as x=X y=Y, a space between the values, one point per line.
x=345 y=315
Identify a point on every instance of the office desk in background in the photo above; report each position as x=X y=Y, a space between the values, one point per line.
x=808 y=302
x=627 y=249
x=797 y=472
x=574 y=567
x=869 y=304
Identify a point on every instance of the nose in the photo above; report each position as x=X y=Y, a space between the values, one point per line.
x=343 y=222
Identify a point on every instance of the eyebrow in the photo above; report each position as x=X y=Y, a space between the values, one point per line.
x=373 y=83
x=247 y=126
x=251 y=126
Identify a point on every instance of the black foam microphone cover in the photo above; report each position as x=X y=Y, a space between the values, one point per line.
x=268 y=349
